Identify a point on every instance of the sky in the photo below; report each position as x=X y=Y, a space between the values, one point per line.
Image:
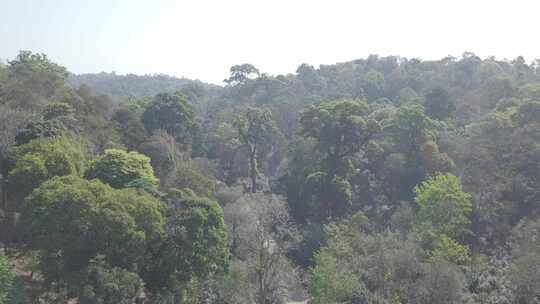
x=202 y=39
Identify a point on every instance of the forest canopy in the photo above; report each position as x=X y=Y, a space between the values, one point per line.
x=378 y=180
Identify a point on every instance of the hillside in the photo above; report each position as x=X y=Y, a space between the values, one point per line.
x=119 y=87
x=377 y=180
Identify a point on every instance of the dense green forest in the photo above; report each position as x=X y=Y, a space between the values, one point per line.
x=379 y=180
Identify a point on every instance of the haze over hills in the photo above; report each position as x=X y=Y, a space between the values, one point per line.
x=131 y=85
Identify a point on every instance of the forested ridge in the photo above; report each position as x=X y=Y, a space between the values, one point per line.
x=121 y=87
x=379 y=180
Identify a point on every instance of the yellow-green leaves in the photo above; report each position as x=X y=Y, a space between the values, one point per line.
x=444 y=205
x=119 y=168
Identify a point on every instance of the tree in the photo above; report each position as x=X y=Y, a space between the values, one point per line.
x=163 y=152
x=40 y=129
x=255 y=128
x=71 y=220
x=441 y=284
x=41 y=159
x=52 y=123
x=410 y=135
x=7 y=280
x=525 y=278
x=195 y=244
x=410 y=127
x=444 y=205
x=10 y=122
x=189 y=176
x=56 y=110
x=262 y=234
x=341 y=129
x=204 y=242
x=358 y=265
x=373 y=84
x=130 y=127
x=33 y=79
x=105 y=284
x=329 y=285
x=241 y=73
x=173 y=114
x=119 y=168
x=438 y=104
x=310 y=79
x=525 y=267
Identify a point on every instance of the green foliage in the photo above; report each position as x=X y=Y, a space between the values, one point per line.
x=205 y=241
x=41 y=159
x=443 y=205
x=132 y=86
x=410 y=127
x=525 y=278
x=329 y=285
x=104 y=244
x=255 y=129
x=40 y=129
x=333 y=195
x=105 y=284
x=195 y=245
x=163 y=152
x=449 y=250
x=254 y=126
x=173 y=114
x=130 y=126
x=28 y=173
x=7 y=281
x=118 y=168
x=51 y=124
x=525 y=269
x=373 y=84
x=241 y=73
x=33 y=78
x=187 y=176
x=36 y=63
x=442 y=283
x=528 y=112
x=57 y=109
x=358 y=265
x=70 y=220
x=439 y=104
x=340 y=129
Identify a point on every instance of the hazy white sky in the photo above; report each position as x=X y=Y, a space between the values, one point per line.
x=203 y=38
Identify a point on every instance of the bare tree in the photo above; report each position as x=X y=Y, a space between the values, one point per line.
x=261 y=233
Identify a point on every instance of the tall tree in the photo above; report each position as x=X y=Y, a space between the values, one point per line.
x=255 y=128
x=241 y=73
x=341 y=129
x=262 y=234
x=33 y=79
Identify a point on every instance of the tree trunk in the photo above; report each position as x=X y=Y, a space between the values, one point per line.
x=3 y=185
x=253 y=168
